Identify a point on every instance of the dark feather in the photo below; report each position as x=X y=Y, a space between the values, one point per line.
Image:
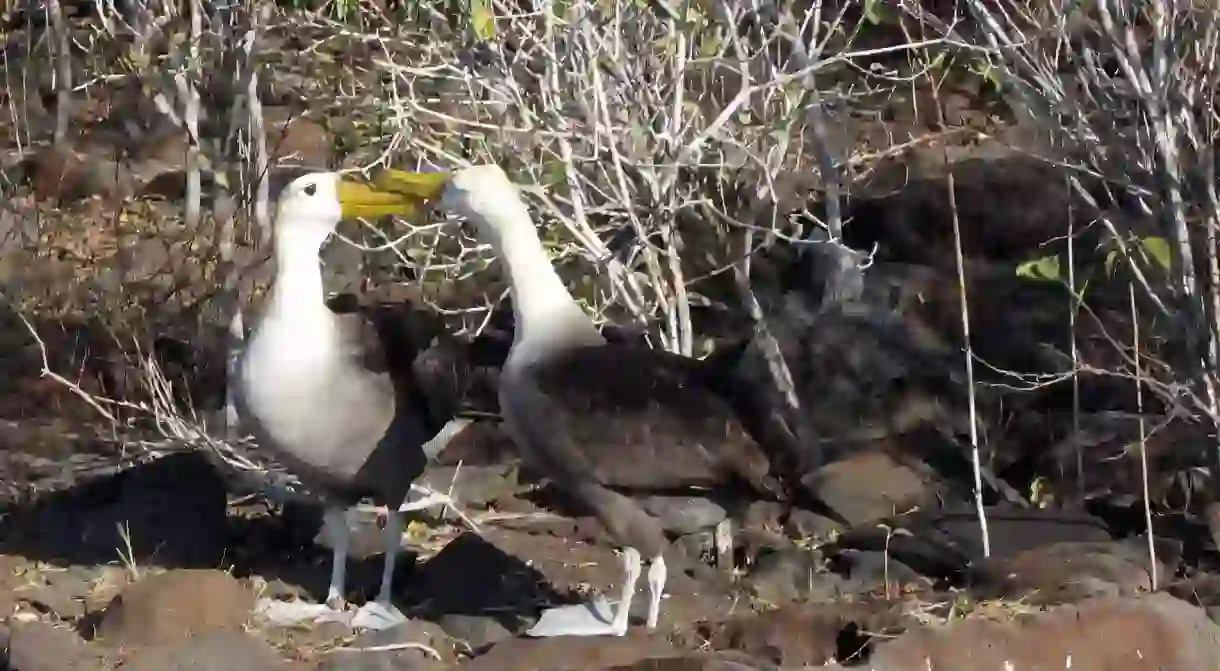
x=631 y=417
x=440 y=376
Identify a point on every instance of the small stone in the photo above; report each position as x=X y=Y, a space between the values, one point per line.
x=175 y=605
x=39 y=646
x=363 y=654
x=782 y=575
x=685 y=514
x=870 y=485
x=277 y=588
x=763 y=516
x=806 y=524
x=477 y=631
x=872 y=569
x=793 y=635
x=63 y=603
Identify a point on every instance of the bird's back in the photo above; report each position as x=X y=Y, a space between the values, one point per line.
x=629 y=416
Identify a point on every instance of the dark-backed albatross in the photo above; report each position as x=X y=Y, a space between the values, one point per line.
x=596 y=416
x=337 y=404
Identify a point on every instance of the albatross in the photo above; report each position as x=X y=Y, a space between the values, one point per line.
x=331 y=392
x=601 y=419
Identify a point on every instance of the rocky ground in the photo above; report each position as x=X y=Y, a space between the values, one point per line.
x=159 y=568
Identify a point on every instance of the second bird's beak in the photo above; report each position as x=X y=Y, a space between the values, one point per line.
x=426 y=187
x=391 y=192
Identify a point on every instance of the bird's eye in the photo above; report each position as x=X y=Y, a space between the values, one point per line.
x=311 y=189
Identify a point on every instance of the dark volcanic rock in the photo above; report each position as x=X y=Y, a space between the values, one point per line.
x=945 y=543
x=1070 y=572
x=492 y=583
x=173 y=510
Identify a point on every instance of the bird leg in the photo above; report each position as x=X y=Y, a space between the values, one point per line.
x=334 y=522
x=381 y=613
x=722 y=540
x=631 y=575
x=291 y=613
x=594 y=619
x=392 y=539
x=657 y=572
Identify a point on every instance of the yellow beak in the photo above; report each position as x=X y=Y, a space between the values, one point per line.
x=425 y=187
x=362 y=199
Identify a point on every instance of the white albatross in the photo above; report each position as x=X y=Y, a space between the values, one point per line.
x=336 y=397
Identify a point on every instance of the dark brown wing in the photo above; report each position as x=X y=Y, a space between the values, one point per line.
x=433 y=372
x=460 y=377
x=629 y=416
x=361 y=339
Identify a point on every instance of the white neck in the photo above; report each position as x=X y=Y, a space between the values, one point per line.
x=543 y=310
x=298 y=292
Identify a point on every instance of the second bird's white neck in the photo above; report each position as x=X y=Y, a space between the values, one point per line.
x=544 y=312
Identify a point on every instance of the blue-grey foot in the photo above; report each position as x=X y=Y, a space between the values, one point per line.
x=377 y=615
x=595 y=618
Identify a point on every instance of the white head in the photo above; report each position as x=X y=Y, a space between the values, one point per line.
x=485 y=196
x=308 y=211
x=311 y=207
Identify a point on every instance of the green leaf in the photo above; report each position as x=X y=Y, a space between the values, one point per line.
x=1046 y=268
x=870 y=12
x=1157 y=249
x=482 y=19
x=1049 y=267
x=793 y=95
x=1110 y=259
x=639 y=139
x=556 y=173
x=709 y=44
